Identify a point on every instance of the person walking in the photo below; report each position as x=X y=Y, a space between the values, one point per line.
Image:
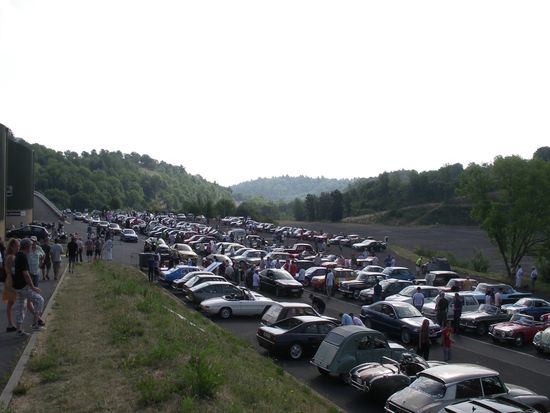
x=56 y=252
x=534 y=275
x=519 y=275
x=89 y=245
x=457 y=312
x=446 y=341
x=26 y=290
x=80 y=248
x=330 y=283
x=9 y=295
x=498 y=297
x=47 y=263
x=35 y=258
x=418 y=299
x=72 y=252
x=424 y=340
x=441 y=309
x=256 y=279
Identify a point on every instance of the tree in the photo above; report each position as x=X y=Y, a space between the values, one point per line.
x=337 y=206
x=511 y=200
x=310 y=207
x=298 y=210
x=542 y=153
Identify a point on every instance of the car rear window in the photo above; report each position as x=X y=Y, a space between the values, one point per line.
x=334 y=338
x=271 y=315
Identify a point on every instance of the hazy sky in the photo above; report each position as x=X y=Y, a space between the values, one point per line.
x=234 y=90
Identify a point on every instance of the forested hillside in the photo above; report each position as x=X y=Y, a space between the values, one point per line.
x=115 y=180
x=287 y=187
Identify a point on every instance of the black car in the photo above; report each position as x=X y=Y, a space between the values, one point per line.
x=280 y=281
x=28 y=231
x=294 y=336
x=364 y=280
x=389 y=287
x=480 y=320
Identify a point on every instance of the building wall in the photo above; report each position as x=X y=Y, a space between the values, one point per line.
x=19 y=183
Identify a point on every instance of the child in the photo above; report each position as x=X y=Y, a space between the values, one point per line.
x=446 y=341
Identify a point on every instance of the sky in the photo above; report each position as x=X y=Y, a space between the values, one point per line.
x=236 y=90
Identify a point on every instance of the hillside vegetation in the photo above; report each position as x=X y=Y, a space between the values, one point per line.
x=114 y=180
x=286 y=187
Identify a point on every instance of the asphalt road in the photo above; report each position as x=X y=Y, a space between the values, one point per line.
x=523 y=366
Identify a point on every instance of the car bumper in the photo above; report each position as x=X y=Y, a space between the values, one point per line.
x=269 y=345
x=501 y=338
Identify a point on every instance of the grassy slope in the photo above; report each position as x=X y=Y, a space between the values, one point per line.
x=113 y=345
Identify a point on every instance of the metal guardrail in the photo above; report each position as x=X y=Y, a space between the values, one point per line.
x=48 y=203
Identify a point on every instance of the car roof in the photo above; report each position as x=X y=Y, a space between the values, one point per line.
x=443 y=272
x=453 y=373
x=309 y=318
x=350 y=330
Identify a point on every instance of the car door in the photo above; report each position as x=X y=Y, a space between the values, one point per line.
x=392 y=323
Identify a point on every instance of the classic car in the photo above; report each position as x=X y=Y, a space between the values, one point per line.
x=389 y=287
x=27 y=231
x=280 y=281
x=128 y=235
x=509 y=295
x=398 y=273
x=348 y=346
x=294 y=336
x=438 y=278
x=389 y=376
x=312 y=272
x=210 y=289
x=469 y=303
x=398 y=319
x=278 y=256
x=340 y=275
x=220 y=258
x=352 y=288
x=541 y=341
x=299 y=248
x=249 y=257
x=370 y=245
x=499 y=404
x=437 y=387
x=114 y=228
x=280 y=311
x=173 y=274
x=536 y=307
x=199 y=279
x=336 y=240
x=184 y=252
x=519 y=330
x=180 y=282
x=457 y=284
x=247 y=303
x=254 y=241
x=480 y=320
x=405 y=295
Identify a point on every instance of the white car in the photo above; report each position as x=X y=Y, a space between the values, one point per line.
x=248 y=303
x=406 y=294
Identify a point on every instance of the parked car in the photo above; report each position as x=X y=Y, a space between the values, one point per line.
x=249 y=257
x=114 y=228
x=348 y=346
x=280 y=281
x=370 y=245
x=405 y=295
x=210 y=289
x=469 y=303
x=180 y=282
x=437 y=387
x=479 y=321
x=541 y=341
x=399 y=273
x=172 y=274
x=509 y=295
x=389 y=376
x=247 y=303
x=28 y=231
x=398 y=319
x=457 y=284
x=199 y=279
x=340 y=274
x=313 y=272
x=128 y=235
x=352 y=288
x=294 y=336
x=389 y=287
x=184 y=252
x=438 y=278
x=536 y=307
x=519 y=330
x=499 y=404
x=279 y=311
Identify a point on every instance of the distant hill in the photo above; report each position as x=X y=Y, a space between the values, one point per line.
x=104 y=179
x=286 y=188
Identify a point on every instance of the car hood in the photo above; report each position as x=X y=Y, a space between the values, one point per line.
x=415 y=322
x=368 y=371
x=415 y=401
x=399 y=297
x=476 y=315
x=288 y=283
x=509 y=326
x=368 y=291
x=514 y=390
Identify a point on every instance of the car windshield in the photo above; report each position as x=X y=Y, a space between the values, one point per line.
x=522 y=319
x=334 y=338
x=288 y=324
x=522 y=302
x=408 y=291
x=407 y=312
x=282 y=275
x=128 y=231
x=429 y=386
x=489 y=309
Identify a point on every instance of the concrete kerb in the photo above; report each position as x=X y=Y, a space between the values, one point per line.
x=287 y=374
x=7 y=393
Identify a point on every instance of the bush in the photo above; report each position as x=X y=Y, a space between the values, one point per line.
x=201 y=377
x=479 y=262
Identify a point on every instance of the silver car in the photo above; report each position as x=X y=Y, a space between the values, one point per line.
x=437 y=387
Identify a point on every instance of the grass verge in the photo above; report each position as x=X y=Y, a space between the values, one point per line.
x=113 y=345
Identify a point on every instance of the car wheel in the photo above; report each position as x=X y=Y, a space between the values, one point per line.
x=481 y=329
x=323 y=371
x=405 y=336
x=357 y=294
x=306 y=282
x=225 y=313
x=518 y=341
x=539 y=350
x=295 y=351
x=367 y=323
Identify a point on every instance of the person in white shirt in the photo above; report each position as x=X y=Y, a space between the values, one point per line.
x=534 y=275
x=519 y=275
x=255 y=280
x=418 y=299
x=330 y=283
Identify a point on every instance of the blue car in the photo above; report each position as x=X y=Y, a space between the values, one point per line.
x=396 y=318
x=536 y=307
x=176 y=273
x=398 y=273
x=508 y=294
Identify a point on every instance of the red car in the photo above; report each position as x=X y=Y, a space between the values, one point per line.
x=520 y=329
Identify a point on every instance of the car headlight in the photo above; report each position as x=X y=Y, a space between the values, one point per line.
x=537 y=338
x=509 y=333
